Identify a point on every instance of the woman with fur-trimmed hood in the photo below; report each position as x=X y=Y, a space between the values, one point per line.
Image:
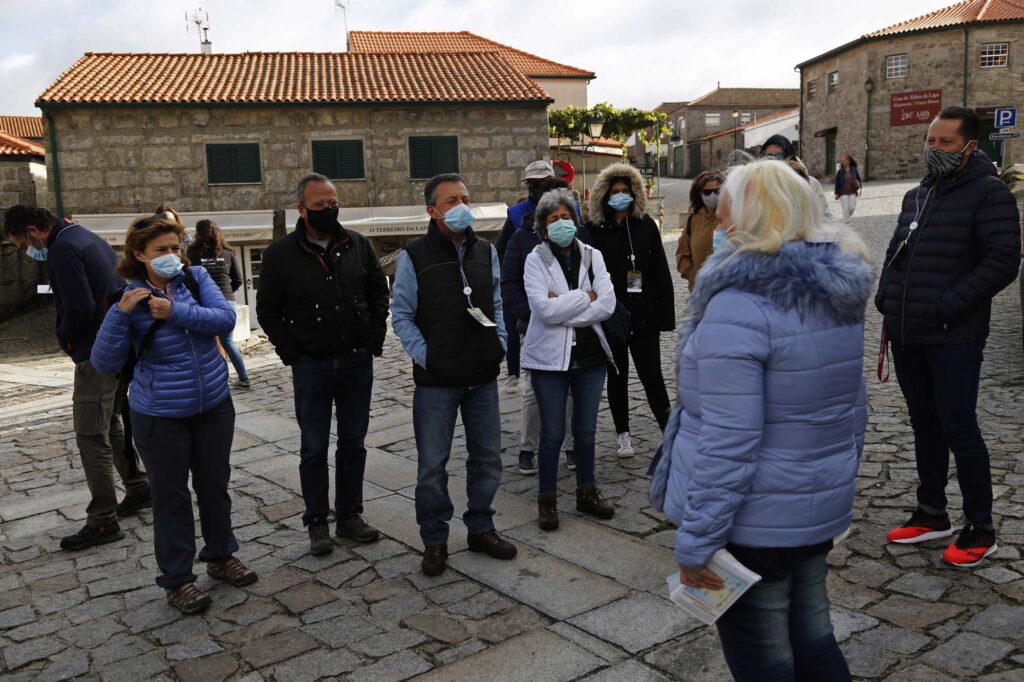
x=630 y=242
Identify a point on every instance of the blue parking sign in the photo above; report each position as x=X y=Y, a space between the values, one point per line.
x=1006 y=117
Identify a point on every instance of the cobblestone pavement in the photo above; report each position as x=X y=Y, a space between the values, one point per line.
x=586 y=602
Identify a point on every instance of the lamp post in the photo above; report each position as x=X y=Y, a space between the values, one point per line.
x=735 y=129
x=595 y=124
x=869 y=87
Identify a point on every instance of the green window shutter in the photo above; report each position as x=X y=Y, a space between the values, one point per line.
x=446 y=154
x=429 y=156
x=339 y=159
x=228 y=163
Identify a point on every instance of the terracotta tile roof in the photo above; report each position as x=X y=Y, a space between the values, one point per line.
x=760 y=119
x=290 y=78
x=462 y=41
x=749 y=97
x=956 y=15
x=28 y=127
x=11 y=145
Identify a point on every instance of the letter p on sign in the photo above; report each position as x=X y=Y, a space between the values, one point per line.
x=1006 y=117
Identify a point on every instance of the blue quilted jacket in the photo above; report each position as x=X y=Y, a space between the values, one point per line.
x=764 y=441
x=183 y=372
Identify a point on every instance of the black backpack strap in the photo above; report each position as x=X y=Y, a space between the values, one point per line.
x=689 y=226
x=191 y=283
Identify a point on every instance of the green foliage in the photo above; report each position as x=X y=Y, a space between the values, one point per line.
x=571 y=123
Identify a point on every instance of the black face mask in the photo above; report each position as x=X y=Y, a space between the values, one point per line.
x=322 y=221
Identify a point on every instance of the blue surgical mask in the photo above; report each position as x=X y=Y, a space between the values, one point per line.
x=718 y=239
x=36 y=254
x=168 y=266
x=458 y=218
x=620 y=202
x=562 y=232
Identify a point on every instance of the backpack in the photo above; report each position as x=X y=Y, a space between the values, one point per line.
x=689 y=226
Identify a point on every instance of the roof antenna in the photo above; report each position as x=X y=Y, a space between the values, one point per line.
x=343 y=6
x=198 y=22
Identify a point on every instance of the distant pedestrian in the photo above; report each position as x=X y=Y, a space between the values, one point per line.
x=701 y=234
x=323 y=303
x=182 y=414
x=760 y=456
x=956 y=245
x=447 y=312
x=630 y=242
x=81 y=266
x=570 y=293
x=211 y=251
x=847 y=186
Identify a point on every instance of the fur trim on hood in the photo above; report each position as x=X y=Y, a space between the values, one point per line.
x=597 y=194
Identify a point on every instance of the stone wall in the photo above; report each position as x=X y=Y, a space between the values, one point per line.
x=16 y=182
x=935 y=61
x=18 y=273
x=130 y=159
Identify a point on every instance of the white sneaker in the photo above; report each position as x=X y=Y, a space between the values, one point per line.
x=512 y=384
x=625 y=450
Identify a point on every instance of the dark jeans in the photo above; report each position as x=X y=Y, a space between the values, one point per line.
x=433 y=416
x=345 y=383
x=552 y=390
x=646 y=352
x=940 y=385
x=171 y=448
x=514 y=345
x=780 y=629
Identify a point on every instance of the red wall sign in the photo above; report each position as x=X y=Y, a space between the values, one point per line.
x=912 y=108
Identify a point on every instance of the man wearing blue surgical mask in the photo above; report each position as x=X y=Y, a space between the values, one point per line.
x=446 y=309
x=81 y=266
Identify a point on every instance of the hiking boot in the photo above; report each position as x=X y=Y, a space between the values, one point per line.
x=353 y=526
x=320 y=542
x=624 y=448
x=570 y=459
x=132 y=504
x=243 y=384
x=231 y=571
x=922 y=527
x=512 y=384
x=972 y=545
x=434 y=559
x=491 y=544
x=527 y=463
x=590 y=501
x=90 y=536
x=547 y=510
x=189 y=599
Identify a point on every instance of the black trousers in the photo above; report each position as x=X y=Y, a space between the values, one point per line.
x=646 y=352
x=171 y=448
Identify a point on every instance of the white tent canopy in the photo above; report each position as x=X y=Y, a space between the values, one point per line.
x=756 y=134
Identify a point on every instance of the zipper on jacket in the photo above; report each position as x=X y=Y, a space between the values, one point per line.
x=199 y=375
x=906 y=277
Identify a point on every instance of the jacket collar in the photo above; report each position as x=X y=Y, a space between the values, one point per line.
x=978 y=166
x=58 y=227
x=339 y=236
x=434 y=234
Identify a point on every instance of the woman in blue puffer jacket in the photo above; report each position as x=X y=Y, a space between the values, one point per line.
x=760 y=455
x=182 y=416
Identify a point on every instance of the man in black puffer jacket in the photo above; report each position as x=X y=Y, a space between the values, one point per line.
x=323 y=302
x=956 y=245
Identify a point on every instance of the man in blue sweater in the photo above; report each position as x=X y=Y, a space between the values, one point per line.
x=81 y=270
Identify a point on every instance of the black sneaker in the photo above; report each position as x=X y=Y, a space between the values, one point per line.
x=570 y=459
x=435 y=557
x=132 y=504
x=90 y=536
x=527 y=464
x=320 y=542
x=921 y=527
x=353 y=526
x=971 y=546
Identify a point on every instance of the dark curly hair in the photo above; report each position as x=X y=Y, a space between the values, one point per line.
x=696 y=200
x=19 y=217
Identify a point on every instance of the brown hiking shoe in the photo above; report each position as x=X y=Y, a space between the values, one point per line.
x=547 y=511
x=491 y=544
x=434 y=559
x=188 y=599
x=590 y=501
x=231 y=571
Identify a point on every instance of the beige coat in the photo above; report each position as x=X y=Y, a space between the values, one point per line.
x=695 y=244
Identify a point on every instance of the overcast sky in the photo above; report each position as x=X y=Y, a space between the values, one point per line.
x=643 y=51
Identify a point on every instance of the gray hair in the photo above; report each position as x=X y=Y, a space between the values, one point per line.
x=308 y=178
x=430 y=189
x=551 y=202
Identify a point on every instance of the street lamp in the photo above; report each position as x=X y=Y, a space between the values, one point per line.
x=595 y=125
x=735 y=129
x=869 y=87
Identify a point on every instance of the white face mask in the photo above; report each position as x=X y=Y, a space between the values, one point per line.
x=710 y=200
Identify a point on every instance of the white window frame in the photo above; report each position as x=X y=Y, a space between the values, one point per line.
x=896 y=66
x=746 y=118
x=994 y=52
x=712 y=120
x=812 y=88
x=833 y=82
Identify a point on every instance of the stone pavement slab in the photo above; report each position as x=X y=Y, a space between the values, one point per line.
x=637 y=622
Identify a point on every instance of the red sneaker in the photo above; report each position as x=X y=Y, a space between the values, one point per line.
x=922 y=527
x=971 y=546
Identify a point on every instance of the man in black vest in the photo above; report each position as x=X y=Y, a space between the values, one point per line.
x=446 y=309
x=956 y=245
x=323 y=302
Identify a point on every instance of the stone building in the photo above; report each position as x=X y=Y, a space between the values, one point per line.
x=875 y=96
x=215 y=132
x=21 y=167
x=566 y=85
x=715 y=148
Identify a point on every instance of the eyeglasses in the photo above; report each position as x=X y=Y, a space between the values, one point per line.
x=321 y=207
x=709 y=192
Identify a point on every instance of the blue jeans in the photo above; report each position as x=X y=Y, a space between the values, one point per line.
x=780 y=629
x=940 y=385
x=552 y=390
x=433 y=416
x=321 y=383
x=234 y=354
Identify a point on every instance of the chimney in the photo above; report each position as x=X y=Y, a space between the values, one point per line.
x=207 y=47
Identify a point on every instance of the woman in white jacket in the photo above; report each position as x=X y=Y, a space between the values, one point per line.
x=565 y=349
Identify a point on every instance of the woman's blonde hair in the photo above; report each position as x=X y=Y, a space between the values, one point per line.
x=772 y=205
x=141 y=232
